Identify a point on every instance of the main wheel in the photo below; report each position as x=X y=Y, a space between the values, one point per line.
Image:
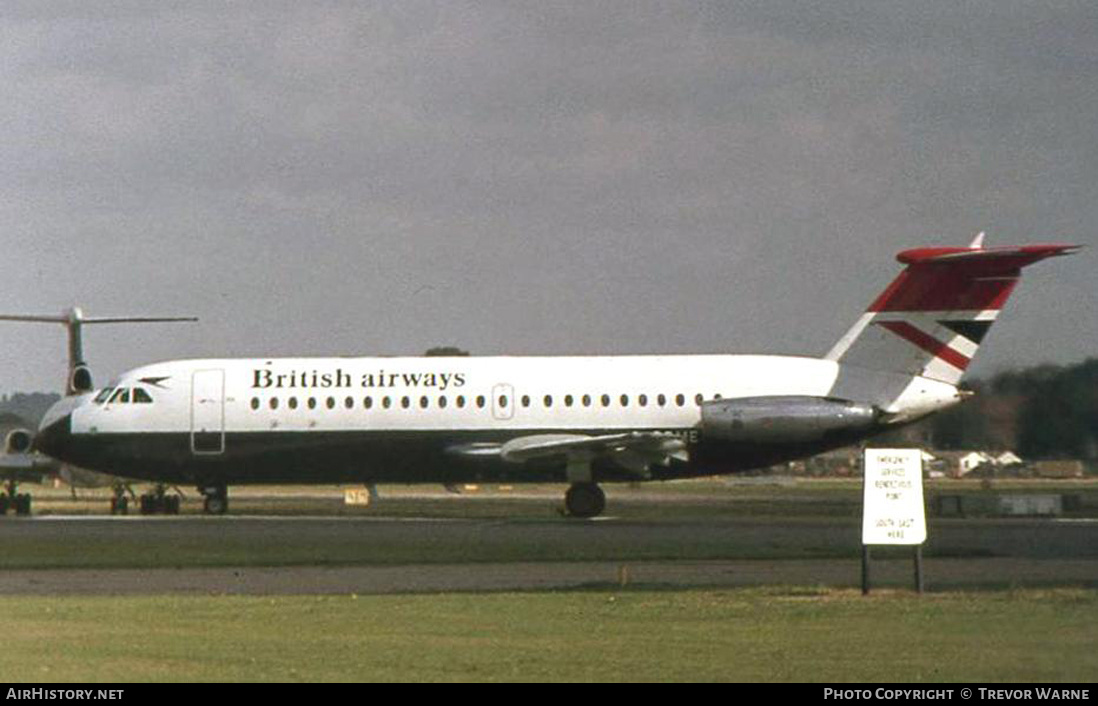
x=151 y=504
x=120 y=505
x=584 y=500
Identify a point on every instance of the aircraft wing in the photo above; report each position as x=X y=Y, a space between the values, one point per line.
x=634 y=451
x=16 y=462
x=26 y=467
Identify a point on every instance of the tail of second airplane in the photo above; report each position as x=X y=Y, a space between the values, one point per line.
x=930 y=321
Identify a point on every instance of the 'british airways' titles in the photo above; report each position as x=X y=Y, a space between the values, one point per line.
x=340 y=378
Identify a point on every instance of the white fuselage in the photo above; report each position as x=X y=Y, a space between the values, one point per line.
x=470 y=394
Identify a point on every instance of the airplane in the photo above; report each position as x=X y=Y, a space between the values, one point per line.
x=20 y=462
x=585 y=420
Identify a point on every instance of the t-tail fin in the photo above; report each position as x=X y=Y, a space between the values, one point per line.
x=931 y=319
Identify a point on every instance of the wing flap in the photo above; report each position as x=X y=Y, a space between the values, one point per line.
x=636 y=452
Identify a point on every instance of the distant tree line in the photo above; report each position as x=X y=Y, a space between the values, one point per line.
x=1043 y=412
x=30 y=407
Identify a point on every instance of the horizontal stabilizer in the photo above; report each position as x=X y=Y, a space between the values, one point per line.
x=1019 y=256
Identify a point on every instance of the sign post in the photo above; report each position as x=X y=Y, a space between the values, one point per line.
x=893 y=512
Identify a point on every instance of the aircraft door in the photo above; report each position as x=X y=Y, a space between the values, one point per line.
x=208 y=412
x=503 y=401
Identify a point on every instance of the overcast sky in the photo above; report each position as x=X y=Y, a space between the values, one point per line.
x=531 y=178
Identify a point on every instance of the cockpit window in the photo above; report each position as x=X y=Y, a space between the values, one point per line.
x=140 y=396
x=121 y=396
x=103 y=395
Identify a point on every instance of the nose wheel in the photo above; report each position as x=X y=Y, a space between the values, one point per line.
x=584 y=500
x=216 y=500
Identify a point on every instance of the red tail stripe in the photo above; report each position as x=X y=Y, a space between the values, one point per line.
x=946 y=288
x=927 y=342
x=961 y=279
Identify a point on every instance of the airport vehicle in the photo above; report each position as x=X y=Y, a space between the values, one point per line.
x=585 y=420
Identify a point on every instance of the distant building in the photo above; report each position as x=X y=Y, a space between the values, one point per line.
x=1007 y=458
x=1059 y=469
x=958 y=464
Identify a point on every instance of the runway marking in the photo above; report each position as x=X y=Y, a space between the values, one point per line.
x=239 y=518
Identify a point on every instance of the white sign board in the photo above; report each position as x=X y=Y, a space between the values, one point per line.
x=356 y=496
x=892 y=509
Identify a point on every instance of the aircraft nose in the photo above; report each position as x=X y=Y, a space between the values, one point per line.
x=52 y=436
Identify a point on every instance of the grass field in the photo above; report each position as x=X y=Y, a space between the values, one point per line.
x=736 y=635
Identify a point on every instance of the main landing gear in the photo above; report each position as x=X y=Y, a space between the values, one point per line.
x=584 y=500
x=14 y=500
x=157 y=502
x=216 y=500
x=120 y=504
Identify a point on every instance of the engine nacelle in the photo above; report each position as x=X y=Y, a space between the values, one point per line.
x=81 y=380
x=784 y=419
x=18 y=441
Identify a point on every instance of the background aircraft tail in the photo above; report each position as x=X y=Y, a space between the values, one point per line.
x=930 y=321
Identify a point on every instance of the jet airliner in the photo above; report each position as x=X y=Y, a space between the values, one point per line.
x=583 y=420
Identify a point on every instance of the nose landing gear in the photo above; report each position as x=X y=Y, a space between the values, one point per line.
x=216 y=500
